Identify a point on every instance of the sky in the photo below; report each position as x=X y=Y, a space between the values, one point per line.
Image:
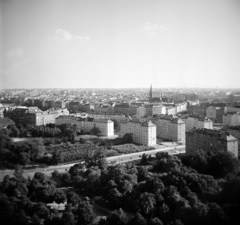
x=119 y=43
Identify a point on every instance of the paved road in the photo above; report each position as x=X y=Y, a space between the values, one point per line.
x=135 y=156
x=111 y=160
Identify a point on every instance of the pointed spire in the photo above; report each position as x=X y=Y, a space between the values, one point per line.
x=150 y=94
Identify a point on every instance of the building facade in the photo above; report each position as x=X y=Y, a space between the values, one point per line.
x=231 y=119
x=210 y=140
x=215 y=113
x=170 y=128
x=33 y=115
x=198 y=122
x=105 y=126
x=143 y=132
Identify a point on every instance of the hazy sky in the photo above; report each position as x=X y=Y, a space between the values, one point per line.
x=120 y=43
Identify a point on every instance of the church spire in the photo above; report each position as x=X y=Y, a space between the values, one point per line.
x=150 y=94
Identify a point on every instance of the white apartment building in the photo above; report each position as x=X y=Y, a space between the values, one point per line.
x=158 y=109
x=171 y=110
x=105 y=126
x=198 y=122
x=180 y=107
x=170 y=128
x=143 y=132
x=231 y=119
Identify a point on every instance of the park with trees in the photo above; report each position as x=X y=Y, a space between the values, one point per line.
x=169 y=191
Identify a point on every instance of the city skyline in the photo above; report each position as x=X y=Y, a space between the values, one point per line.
x=120 y=44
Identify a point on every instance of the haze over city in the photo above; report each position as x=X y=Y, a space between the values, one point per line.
x=120 y=44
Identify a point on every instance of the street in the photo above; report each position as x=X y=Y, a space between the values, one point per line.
x=111 y=161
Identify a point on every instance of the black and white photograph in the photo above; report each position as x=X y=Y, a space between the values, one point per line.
x=119 y=112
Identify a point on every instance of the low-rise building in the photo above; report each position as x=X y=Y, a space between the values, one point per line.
x=143 y=132
x=210 y=140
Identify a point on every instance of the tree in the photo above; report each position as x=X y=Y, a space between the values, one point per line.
x=18 y=172
x=155 y=221
x=146 y=204
x=73 y=198
x=82 y=141
x=68 y=218
x=85 y=213
x=222 y=163
x=59 y=196
x=138 y=219
x=57 y=157
x=95 y=131
x=127 y=138
x=117 y=217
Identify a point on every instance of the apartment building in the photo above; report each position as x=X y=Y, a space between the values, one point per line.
x=104 y=108
x=231 y=119
x=119 y=117
x=171 y=110
x=33 y=115
x=231 y=109
x=197 y=109
x=143 y=132
x=125 y=108
x=181 y=107
x=235 y=132
x=170 y=128
x=141 y=111
x=198 y=122
x=215 y=113
x=210 y=140
x=105 y=126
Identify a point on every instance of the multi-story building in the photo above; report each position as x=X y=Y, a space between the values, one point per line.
x=181 y=107
x=141 y=111
x=210 y=140
x=198 y=122
x=104 y=108
x=105 y=126
x=118 y=117
x=33 y=115
x=85 y=107
x=231 y=119
x=197 y=109
x=231 y=109
x=125 y=108
x=170 y=128
x=215 y=113
x=59 y=104
x=150 y=110
x=171 y=110
x=2 y=112
x=143 y=132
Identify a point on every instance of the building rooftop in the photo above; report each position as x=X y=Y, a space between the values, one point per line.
x=148 y=124
x=220 y=134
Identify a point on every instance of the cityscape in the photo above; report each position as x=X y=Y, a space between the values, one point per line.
x=119 y=112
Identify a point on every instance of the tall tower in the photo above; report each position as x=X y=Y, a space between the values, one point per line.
x=150 y=94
